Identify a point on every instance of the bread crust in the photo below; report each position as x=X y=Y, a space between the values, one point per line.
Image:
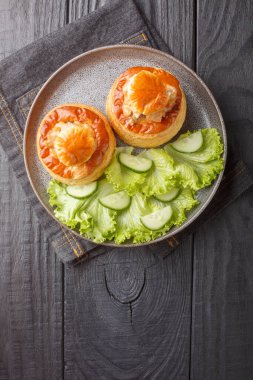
x=99 y=170
x=144 y=140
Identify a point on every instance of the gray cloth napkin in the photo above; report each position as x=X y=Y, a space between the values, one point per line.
x=22 y=75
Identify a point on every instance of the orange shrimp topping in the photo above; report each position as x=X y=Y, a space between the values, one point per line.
x=72 y=137
x=146 y=99
x=146 y=93
x=75 y=145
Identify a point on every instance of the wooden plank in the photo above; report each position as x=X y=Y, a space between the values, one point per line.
x=79 y=8
x=127 y=316
x=22 y=22
x=127 y=313
x=222 y=344
x=30 y=274
x=174 y=22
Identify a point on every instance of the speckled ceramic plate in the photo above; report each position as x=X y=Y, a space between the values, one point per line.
x=88 y=78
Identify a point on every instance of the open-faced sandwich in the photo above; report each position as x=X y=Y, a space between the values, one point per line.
x=75 y=143
x=146 y=106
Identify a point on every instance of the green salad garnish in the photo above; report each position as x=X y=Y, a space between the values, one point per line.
x=175 y=175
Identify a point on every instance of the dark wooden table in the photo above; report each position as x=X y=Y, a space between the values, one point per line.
x=136 y=316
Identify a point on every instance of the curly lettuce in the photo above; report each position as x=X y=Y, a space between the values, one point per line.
x=160 y=176
x=121 y=177
x=128 y=221
x=155 y=181
x=99 y=223
x=188 y=171
x=129 y=225
x=66 y=206
x=87 y=215
x=183 y=203
x=102 y=224
x=198 y=169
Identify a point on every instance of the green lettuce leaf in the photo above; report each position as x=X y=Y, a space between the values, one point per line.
x=160 y=176
x=102 y=225
x=200 y=168
x=66 y=206
x=128 y=223
x=188 y=171
x=88 y=215
x=121 y=177
x=99 y=223
x=184 y=202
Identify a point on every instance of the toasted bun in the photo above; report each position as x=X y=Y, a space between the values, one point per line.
x=144 y=140
x=81 y=173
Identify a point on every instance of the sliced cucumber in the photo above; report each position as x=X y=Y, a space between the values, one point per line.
x=82 y=191
x=157 y=219
x=189 y=144
x=135 y=163
x=117 y=201
x=169 y=196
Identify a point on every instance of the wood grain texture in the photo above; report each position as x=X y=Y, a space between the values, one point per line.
x=224 y=61
x=175 y=22
x=79 y=8
x=127 y=313
x=172 y=19
x=127 y=316
x=30 y=296
x=22 y=22
x=30 y=274
x=222 y=344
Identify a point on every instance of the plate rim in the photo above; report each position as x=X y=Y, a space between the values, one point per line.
x=215 y=185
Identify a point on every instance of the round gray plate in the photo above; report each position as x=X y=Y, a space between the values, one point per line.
x=88 y=78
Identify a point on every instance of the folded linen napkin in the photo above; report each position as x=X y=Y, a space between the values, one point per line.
x=22 y=75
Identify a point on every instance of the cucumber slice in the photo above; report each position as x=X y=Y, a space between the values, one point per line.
x=169 y=196
x=189 y=144
x=82 y=191
x=135 y=163
x=117 y=201
x=157 y=219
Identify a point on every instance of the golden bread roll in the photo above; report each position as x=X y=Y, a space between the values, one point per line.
x=146 y=106
x=75 y=143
